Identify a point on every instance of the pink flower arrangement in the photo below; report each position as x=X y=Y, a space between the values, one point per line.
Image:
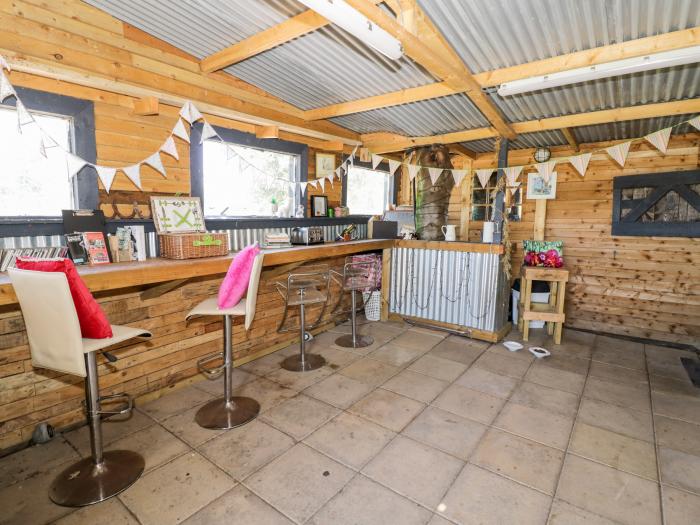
x=549 y=259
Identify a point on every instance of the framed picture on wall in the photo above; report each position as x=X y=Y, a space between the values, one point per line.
x=325 y=164
x=319 y=205
x=538 y=188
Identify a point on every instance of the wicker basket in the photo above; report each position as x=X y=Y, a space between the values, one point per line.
x=193 y=245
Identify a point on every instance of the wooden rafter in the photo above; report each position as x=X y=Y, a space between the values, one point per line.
x=384 y=142
x=570 y=137
x=462 y=150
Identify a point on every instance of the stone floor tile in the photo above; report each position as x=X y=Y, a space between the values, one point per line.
x=339 y=390
x=240 y=506
x=396 y=355
x=268 y=393
x=610 y=493
x=613 y=353
x=502 y=351
x=460 y=349
x=548 y=399
x=618 y=394
x=618 y=374
x=297 y=380
x=535 y=424
x=418 y=340
x=679 y=435
x=175 y=402
x=446 y=431
x=680 y=469
x=243 y=450
x=677 y=406
x=503 y=364
x=615 y=450
x=299 y=482
x=350 y=439
x=415 y=470
x=559 y=360
x=680 y=508
x=35 y=460
x=563 y=513
x=299 y=416
x=111 y=511
x=216 y=386
x=113 y=428
x=265 y=364
x=673 y=386
x=154 y=443
x=175 y=491
x=335 y=359
x=488 y=382
x=387 y=409
x=480 y=496
x=626 y=421
x=185 y=427
x=369 y=371
x=416 y=386
x=362 y=501
x=469 y=403
x=520 y=459
x=438 y=367
x=555 y=378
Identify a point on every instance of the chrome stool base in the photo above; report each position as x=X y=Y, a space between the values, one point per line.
x=220 y=415
x=295 y=363
x=86 y=483
x=361 y=341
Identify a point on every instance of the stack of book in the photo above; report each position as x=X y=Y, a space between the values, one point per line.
x=277 y=240
x=8 y=256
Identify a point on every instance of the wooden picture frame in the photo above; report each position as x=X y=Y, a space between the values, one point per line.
x=319 y=206
x=537 y=188
x=325 y=164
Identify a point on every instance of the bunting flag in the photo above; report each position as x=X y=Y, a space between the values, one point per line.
x=155 y=162
x=484 y=175
x=134 y=174
x=659 y=139
x=393 y=165
x=23 y=116
x=580 y=162
x=42 y=148
x=6 y=89
x=46 y=142
x=512 y=174
x=74 y=164
x=208 y=132
x=376 y=159
x=322 y=184
x=545 y=169
x=413 y=171
x=190 y=113
x=351 y=159
x=302 y=187
x=180 y=131
x=514 y=187
x=313 y=183
x=169 y=148
x=434 y=174
x=695 y=122
x=230 y=152
x=458 y=175
x=4 y=64
x=106 y=175
x=331 y=178
x=338 y=172
x=619 y=152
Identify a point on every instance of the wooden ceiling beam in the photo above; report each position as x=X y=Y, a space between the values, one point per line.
x=570 y=137
x=459 y=149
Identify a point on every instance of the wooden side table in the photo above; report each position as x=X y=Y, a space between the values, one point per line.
x=553 y=312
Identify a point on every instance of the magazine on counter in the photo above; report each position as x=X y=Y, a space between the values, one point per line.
x=96 y=247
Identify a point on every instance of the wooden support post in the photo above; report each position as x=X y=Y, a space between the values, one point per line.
x=499 y=202
x=386 y=283
x=540 y=219
x=146 y=106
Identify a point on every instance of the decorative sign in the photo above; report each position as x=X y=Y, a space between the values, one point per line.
x=177 y=214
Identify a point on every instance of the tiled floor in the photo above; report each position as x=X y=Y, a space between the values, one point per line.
x=419 y=428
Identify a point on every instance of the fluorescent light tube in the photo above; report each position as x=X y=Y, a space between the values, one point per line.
x=355 y=23
x=676 y=57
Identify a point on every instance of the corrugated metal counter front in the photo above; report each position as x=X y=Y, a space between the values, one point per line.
x=454 y=285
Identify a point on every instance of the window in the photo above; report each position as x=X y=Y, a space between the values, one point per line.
x=32 y=185
x=482 y=200
x=369 y=192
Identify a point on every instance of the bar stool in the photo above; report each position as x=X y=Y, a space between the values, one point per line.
x=229 y=411
x=359 y=274
x=304 y=289
x=55 y=343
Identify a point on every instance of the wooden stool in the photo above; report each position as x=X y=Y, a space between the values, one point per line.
x=552 y=313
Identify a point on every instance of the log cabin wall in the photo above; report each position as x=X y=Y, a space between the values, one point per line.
x=645 y=287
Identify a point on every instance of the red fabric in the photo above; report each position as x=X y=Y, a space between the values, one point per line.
x=235 y=284
x=93 y=321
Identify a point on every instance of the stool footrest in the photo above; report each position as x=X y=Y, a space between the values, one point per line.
x=215 y=371
x=550 y=317
x=127 y=400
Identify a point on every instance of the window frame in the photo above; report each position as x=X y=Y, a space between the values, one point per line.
x=476 y=186
x=82 y=143
x=382 y=166
x=240 y=138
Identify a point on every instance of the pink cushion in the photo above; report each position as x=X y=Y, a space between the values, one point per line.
x=235 y=284
x=93 y=321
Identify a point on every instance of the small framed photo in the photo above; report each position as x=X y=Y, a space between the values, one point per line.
x=319 y=205
x=537 y=188
x=325 y=164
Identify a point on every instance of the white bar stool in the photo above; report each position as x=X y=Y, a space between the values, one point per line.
x=55 y=343
x=357 y=276
x=228 y=411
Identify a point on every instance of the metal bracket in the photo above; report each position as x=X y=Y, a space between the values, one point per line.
x=215 y=372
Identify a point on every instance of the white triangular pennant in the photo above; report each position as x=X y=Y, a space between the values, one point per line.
x=230 y=152
x=413 y=171
x=376 y=159
x=313 y=183
x=695 y=122
x=434 y=174
x=42 y=147
x=134 y=174
x=155 y=162
x=74 y=164
x=458 y=175
x=23 y=116
x=514 y=187
x=659 y=139
x=302 y=187
x=4 y=64
x=338 y=172
x=180 y=131
x=207 y=132
x=351 y=158
x=195 y=115
x=6 y=89
x=393 y=165
x=512 y=173
x=484 y=175
x=190 y=113
x=545 y=169
x=580 y=162
x=619 y=152
x=106 y=175
x=169 y=148
x=331 y=177
x=322 y=184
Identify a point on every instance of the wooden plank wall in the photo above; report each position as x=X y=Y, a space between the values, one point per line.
x=636 y=286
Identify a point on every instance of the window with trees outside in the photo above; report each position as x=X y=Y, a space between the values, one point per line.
x=483 y=198
x=32 y=185
x=369 y=192
x=248 y=182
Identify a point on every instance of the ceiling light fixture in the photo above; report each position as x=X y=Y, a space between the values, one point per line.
x=676 y=57
x=355 y=23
